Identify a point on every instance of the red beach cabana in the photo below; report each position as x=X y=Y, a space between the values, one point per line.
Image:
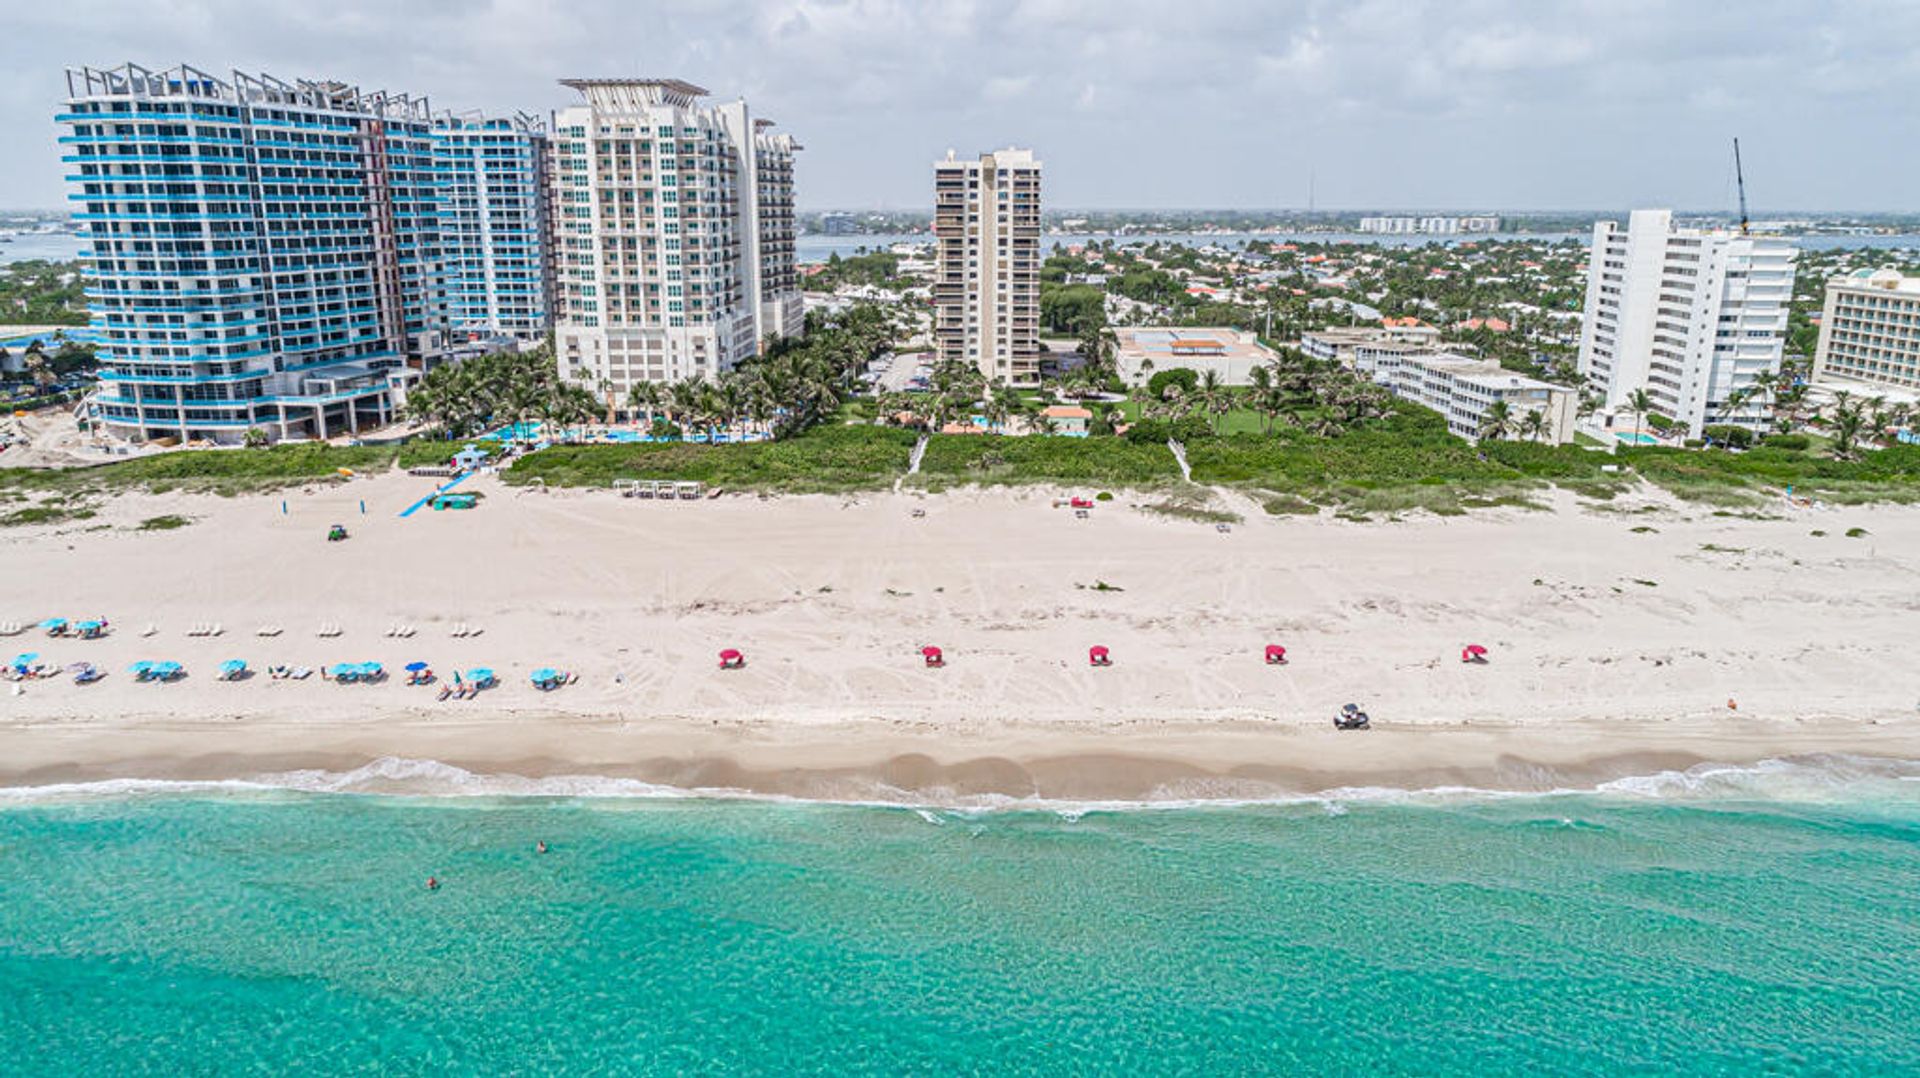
x=933 y=656
x=1473 y=653
x=731 y=659
x=1276 y=655
x=1097 y=656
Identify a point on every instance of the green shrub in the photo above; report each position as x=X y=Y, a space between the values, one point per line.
x=164 y=523
x=1184 y=377
x=823 y=459
x=1791 y=442
x=1729 y=435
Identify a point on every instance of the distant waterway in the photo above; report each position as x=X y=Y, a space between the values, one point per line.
x=816 y=247
x=52 y=246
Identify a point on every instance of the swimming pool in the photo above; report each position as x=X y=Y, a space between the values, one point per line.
x=1635 y=438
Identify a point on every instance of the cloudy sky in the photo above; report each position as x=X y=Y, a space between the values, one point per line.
x=1487 y=104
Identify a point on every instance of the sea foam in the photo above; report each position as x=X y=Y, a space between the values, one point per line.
x=1808 y=778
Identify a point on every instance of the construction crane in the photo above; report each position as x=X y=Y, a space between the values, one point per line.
x=1740 y=181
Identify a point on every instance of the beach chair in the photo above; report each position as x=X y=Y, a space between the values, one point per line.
x=11 y=628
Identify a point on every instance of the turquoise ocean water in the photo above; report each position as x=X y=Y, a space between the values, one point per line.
x=1723 y=921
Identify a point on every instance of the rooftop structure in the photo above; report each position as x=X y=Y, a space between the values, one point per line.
x=1232 y=354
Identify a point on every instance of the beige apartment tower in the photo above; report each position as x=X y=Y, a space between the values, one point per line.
x=986 y=294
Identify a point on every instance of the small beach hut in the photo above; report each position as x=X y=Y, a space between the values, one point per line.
x=470 y=458
x=1473 y=653
x=933 y=656
x=731 y=659
x=1098 y=655
x=1276 y=655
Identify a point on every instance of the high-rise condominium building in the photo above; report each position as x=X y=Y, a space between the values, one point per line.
x=1870 y=331
x=1688 y=315
x=262 y=253
x=493 y=224
x=673 y=234
x=986 y=218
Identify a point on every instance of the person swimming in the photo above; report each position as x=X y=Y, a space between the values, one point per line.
x=540 y=847
x=433 y=883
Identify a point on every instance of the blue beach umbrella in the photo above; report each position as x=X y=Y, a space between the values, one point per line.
x=482 y=674
x=344 y=669
x=164 y=670
x=415 y=667
x=89 y=626
x=25 y=658
x=54 y=623
x=546 y=673
x=233 y=666
x=140 y=667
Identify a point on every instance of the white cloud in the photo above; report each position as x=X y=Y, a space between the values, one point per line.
x=1399 y=102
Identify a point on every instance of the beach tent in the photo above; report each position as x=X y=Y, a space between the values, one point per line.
x=1097 y=655
x=1473 y=653
x=731 y=659
x=933 y=656
x=1276 y=654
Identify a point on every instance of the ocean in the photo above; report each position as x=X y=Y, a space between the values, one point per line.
x=1718 y=921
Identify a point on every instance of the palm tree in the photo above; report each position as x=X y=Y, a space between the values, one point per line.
x=646 y=397
x=1497 y=421
x=1534 y=424
x=1639 y=402
x=1849 y=417
x=1214 y=396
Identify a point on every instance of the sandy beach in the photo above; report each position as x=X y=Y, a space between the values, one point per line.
x=1618 y=635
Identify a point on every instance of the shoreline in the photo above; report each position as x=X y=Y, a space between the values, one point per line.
x=876 y=762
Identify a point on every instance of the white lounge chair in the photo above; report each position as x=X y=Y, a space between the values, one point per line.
x=11 y=628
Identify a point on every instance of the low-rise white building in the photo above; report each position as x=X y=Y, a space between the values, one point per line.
x=1462 y=390
x=1341 y=343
